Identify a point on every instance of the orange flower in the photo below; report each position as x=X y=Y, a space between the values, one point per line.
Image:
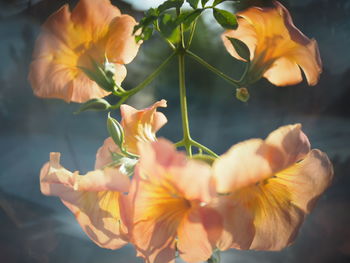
x=93 y=199
x=277 y=47
x=94 y=30
x=141 y=125
x=166 y=206
x=270 y=185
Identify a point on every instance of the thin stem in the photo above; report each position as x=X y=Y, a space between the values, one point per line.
x=203 y=148
x=183 y=103
x=150 y=78
x=193 y=29
x=213 y=69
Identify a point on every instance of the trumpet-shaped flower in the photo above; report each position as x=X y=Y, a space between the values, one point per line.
x=166 y=208
x=141 y=125
x=93 y=31
x=278 y=49
x=270 y=186
x=93 y=198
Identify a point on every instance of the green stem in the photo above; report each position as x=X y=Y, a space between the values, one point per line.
x=183 y=103
x=143 y=84
x=193 y=29
x=213 y=69
x=203 y=148
x=150 y=78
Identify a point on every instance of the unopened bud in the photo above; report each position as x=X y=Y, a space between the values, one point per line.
x=116 y=131
x=242 y=94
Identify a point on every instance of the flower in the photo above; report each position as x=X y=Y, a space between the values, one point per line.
x=93 y=198
x=141 y=125
x=94 y=30
x=269 y=186
x=165 y=209
x=277 y=47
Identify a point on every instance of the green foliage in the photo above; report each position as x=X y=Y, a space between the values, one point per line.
x=94 y=105
x=225 y=18
x=170 y=4
x=240 y=47
x=193 y=3
x=169 y=28
x=216 y=2
x=204 y=2
x=116 y=131
x=189 y=17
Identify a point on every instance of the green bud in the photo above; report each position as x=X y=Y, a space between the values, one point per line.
x=242 y=94
x=215 y=257
x=116 y=131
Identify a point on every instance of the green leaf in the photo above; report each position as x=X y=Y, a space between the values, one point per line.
x=216 y=2
x=167 y=24
x=225 y=19
x=170 y=4
x=95 y=105
x=188 y=18
x=242 y=94
x=116 y=131
x=193 y=3
x=240 y=47
x=204 y=2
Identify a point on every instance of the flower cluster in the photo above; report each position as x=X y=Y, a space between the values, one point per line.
x=254 y=196
x=143 y=190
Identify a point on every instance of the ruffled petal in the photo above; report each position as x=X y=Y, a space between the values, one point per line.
x=289 y=144
x=141 y=125
x=92 y=198
x=245 y=163
x=103 y=155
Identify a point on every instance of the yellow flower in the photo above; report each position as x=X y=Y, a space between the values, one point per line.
x=277 y=47
x=270 y=186
x=94 y=30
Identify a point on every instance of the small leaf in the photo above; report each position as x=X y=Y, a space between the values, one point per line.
x=167 y=24
x=204 y=2
x=225 y=19
x=241 y=48
x=242 y=94
x=193 y=3
x=170 y=4
x=216 y=2
x=116 y=131
x=188 y=18
x=95 y=105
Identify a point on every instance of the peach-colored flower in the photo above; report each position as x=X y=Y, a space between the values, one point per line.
x=166 y=206
x=93 y=198
x=95 y=29
x=270 y=186
x=141 y=125
x=277 y=47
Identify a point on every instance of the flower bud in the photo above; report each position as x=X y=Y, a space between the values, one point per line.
x=242 y=94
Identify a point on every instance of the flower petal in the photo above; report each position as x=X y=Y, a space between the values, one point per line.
x=121 y=46
x=245 y=163
x=141 y=125
x=284 y=72
x=308 y=179
x=103 y=155
x=245 y=33
x=290 y=145
x=193 y=243
x=93 y=199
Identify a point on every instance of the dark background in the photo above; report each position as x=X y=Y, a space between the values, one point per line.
x=35 y=228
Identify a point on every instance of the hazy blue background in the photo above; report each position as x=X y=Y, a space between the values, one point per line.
x=35 y=228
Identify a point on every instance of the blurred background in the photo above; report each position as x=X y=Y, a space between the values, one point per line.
x=36 y=228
